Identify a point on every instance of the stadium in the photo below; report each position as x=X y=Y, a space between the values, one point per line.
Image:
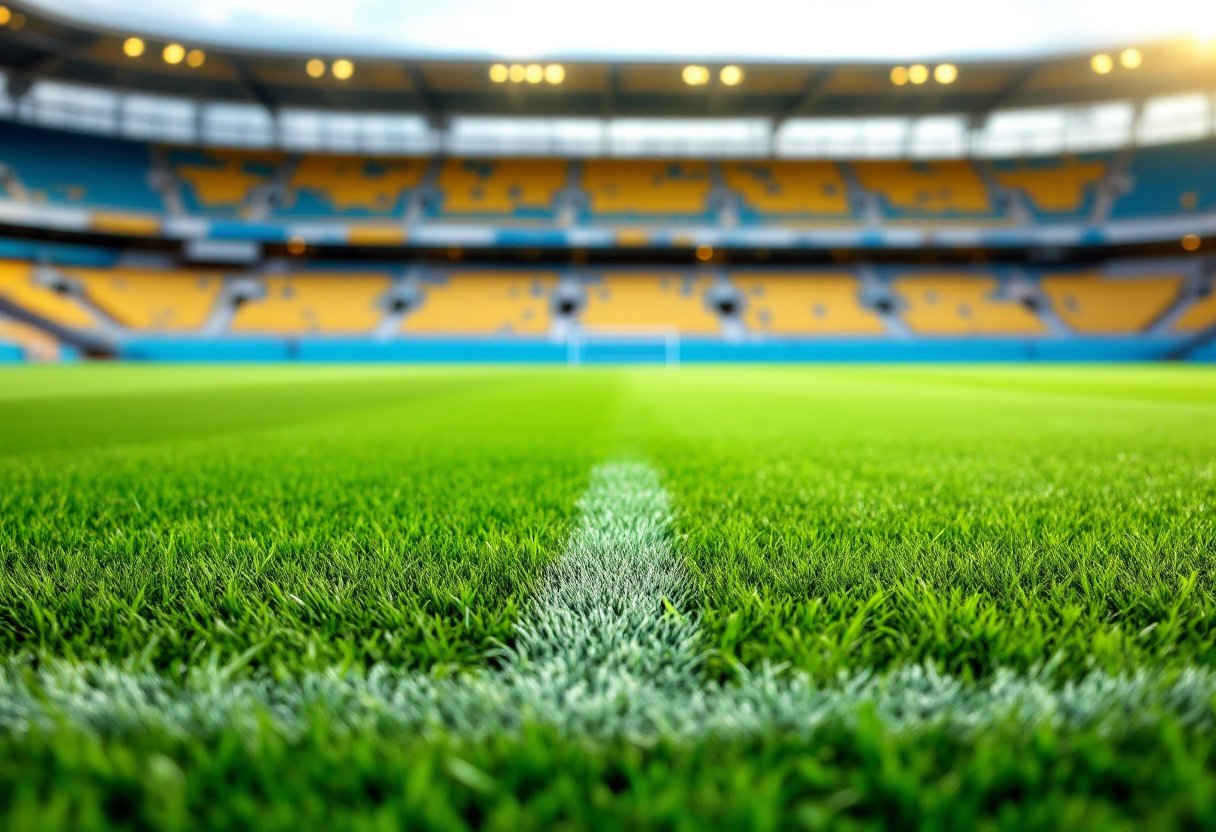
x=765 y=428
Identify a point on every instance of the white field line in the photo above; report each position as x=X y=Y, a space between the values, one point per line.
x=608 y=649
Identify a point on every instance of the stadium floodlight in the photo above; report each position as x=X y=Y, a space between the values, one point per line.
x=1101 y=64
x=315 y=68
x=517 y=72
x=555 y=73
x=5 y=15
x=499 y=73
x=918 y=73
x=945 y=73
x=173 y=53
x=342 y=69
x=899 y=76
x=1131 y=58
x=133 y=47
x=731 y=75
x=695 y=76
x=196 y=57
x=1190 y=242
x=534 y=74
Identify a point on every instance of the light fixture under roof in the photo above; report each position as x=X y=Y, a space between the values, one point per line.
x=918 y=73
x=1131 y=58
x=173 y=53
x=499 y=73
x=133 y=47
x=196 y=58
x=899 y=76
x=315 y=68
x=1101 y=63
x=730 y=75
x=342 y=69
x=695 y=76
x=555 y=73
x=945 y=73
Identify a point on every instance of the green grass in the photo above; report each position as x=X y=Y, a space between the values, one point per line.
x=294 y=519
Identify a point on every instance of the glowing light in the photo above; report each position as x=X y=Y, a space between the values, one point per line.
x=899 y=76
x=1131 y=58
x=133 y=47
x=315 y=68
x=918 y=73
x=731 y=75
x=499 y=73
x=945 y=73
x=173 y=53
x=196 y=57
x=534 y=74
x=5 y=15
x=695 y=76
x=1101 y=64
x=705 y=252
x=1191 y=242
x=342 y=69
x=296 y=245
x=555 y=73
x=517 y=72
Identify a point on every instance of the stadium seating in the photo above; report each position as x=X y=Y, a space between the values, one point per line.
x=151 y=299
x=17 y=286
x=67 y=168
x=485 y=303
x=1199 y=316
x=1091 y=303
x=1172 y=179
x=220 y=181
x=806 y=303
x=926 y=190
x=788 y=190
x=350 y=186
x=524 y=188
x=961 y=304
x=35 y=345
x=1054 y=187
x=650 y=300
x=619 y=189
x=314 y=303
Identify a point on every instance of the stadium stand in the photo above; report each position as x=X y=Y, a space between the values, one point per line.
x=650 y=300
x=221 y=181
x=351 y=186
x=1199 y=316
x=962 y=304
x=618 y=189
x=522 y=188
x=145 y=299
x=1091 y=303
x=314 y=302
x=921 y=190
x=485 y=303
x=34 y=344
x=17 y=285
x=805 y=303
x=1054 y=187
x=782 y=190
x=1171 y=179
x=69 y=168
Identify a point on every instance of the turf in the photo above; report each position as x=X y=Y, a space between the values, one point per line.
x=276 y=521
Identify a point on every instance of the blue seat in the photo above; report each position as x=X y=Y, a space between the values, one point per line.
x=1172 y=179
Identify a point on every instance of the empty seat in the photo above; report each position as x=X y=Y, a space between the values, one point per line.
x=1054 y=187
x=18 y=287
x=485 y=303
x=1198 y=316
x=501 y=187
x=926 y=189
x=351 y=186
x=784 y=190
x=314 y=302
x=1091 y=303
x=221 y=181
x=805 y=303
x=637 y=300
x=642 y=189
x=151 y=299
x=962 y=304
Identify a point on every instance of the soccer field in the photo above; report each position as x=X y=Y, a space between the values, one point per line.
x=843 y=597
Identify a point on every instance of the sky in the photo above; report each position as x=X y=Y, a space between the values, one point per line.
x=633 y=29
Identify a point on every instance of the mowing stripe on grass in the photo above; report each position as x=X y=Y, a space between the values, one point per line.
x=608 y=649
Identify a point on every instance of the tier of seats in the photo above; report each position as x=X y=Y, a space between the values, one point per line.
x=788 y=190
x=922 y=190
x=805 y=304
x=1171 y=179
x=500 y=187
x=484 y=303
x=1091 y=303
x=650 y=300
x=151 y=299
x=961 y=304
x=619 y=189
x=1054 y=187
x=314 y=302
x=222 y=181
x=350 y=186
x=1199 y=316
x=18 y=286
x=34 y=343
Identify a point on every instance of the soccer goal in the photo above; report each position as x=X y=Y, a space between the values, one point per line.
x=624 y=346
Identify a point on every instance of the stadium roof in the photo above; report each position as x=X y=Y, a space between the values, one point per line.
x=37 y=45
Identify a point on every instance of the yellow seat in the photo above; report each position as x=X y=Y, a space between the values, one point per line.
x=805 y=303
x=1062 y=188
x=225 y=178
x=36 y=344
x=504 y=187
x=783 y=189
x=151 y=299
x=919 y=188
x=1091 y=303
x=624 y=300
x=962 y=304
x=485 y=303
x=349 y=184
x=1199 y=315
x=17 y=286
x=646 y=188
x=314 y=302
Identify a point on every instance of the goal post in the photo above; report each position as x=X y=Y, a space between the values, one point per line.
x=624 y=345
